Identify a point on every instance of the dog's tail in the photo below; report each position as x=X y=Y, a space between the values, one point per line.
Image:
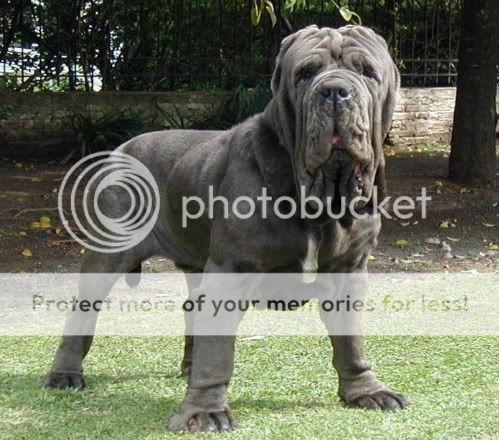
x=132 y=278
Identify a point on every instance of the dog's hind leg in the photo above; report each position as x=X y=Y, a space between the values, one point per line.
x=99 y=272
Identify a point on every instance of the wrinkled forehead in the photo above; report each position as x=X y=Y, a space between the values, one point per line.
x=325 y=42
x=337 y=45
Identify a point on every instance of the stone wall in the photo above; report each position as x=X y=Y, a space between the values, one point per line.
x=35 y=124
x=423 y=115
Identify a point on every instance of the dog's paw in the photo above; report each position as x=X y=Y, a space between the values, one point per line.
x=61 y=381
x=220 y=421
x=386 y=400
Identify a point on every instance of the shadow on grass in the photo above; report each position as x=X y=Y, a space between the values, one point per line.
x=27 y=390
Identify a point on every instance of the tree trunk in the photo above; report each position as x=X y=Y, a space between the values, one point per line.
x=473 y=146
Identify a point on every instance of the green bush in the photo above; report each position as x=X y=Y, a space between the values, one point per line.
x=104 y=131
x=245 y=102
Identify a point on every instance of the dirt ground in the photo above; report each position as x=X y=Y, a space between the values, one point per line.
x=466 y=219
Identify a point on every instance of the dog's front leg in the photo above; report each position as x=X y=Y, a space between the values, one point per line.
x=358 y=385
x=205 y=408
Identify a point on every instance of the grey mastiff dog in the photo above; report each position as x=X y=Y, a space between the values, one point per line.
x=321 y=135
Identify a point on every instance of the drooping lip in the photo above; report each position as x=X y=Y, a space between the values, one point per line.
x=335 y=138
x=339 y=141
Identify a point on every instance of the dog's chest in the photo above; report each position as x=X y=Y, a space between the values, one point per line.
x=329 y=248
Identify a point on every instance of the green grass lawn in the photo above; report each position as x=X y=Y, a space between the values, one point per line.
x=283 y=388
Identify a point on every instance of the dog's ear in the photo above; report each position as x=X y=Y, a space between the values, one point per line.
x=390 y=99
x=276 y=76
x=392 y=81
x=285 y=45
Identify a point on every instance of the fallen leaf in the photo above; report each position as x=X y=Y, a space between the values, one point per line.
x=402 y=243
x=27 y=252
x=432 y=240
x=452 y=239
x=371 y=257
x=489 y=225
x=447 y=224
x=464 y=190
x=58 y=231
x=45 y=222
x=36 y=179
x=22 y=233
x=82 y=251
x=492 y=247
x=404 y=224
x=34 y=225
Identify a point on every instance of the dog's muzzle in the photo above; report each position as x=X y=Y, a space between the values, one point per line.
x=336 y=92
x=341 y=127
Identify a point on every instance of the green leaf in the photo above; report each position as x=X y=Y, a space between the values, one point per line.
x=270 y=9
x=346 y=13
x=255 y=15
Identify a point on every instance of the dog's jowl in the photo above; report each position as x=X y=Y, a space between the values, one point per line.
x=319 y=141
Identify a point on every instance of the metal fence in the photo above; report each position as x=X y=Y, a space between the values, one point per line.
x=200 y=44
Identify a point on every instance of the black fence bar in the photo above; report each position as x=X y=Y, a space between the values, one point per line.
x=200 y=44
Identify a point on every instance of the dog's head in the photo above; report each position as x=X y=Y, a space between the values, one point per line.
x=334 y=92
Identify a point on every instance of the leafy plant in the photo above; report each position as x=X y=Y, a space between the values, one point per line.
x=104 y=131
x=175 y=118
x=347 y=14
x=257 y=9
x=8 y=83
x=245 y=102
x=290 y=5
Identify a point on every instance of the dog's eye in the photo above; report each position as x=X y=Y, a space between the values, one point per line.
x=369 y=73
x=304 y=77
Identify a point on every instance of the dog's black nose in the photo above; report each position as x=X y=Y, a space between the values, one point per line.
x=336 y=90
